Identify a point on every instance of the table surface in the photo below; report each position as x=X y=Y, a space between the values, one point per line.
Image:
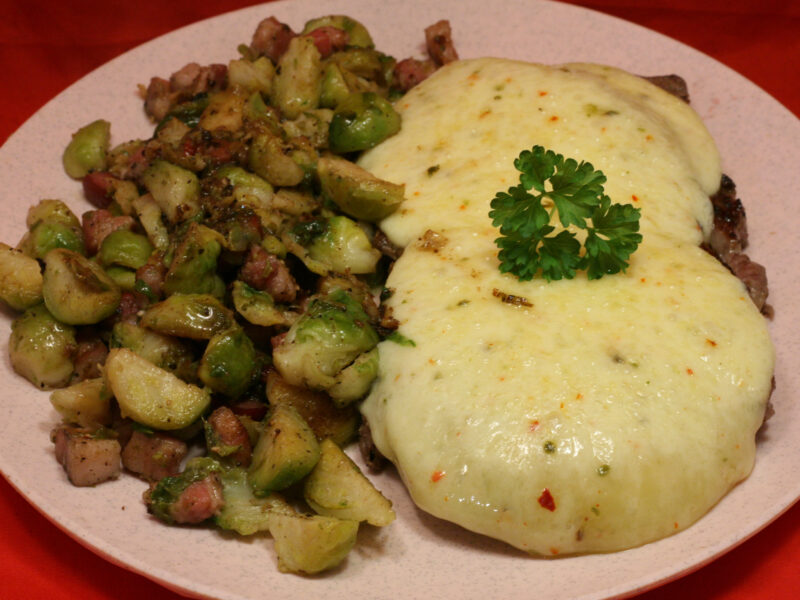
x=47 y=45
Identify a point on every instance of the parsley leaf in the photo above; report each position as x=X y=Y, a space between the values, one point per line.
x=574 y=192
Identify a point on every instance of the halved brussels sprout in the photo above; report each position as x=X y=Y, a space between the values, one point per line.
x=244 y=512
x=51 y=211
x=193 y=269
x=125 y=249
x=357 y=34
x=48 y=235
x=20 y=279
x=176 y=190
x=194 y=316
x=224 y=112
x=361 y=121
x=87 y=150
x=354 y=381
x=76 y=290
x=327 y=338
x=311 y=543
x=343 y=246
x=86 y=403
x=356 y=191
x=270 y=158
x=41 y=348
x=298 y=80
x=258 y=307
x=336 y=487
x=149 y=213
x=229 y=363
x=334 y=86
x=164 y=351
x=150 y=395
x=253 y=76
x=285 y=453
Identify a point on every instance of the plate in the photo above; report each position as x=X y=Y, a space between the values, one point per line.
x=418 y=556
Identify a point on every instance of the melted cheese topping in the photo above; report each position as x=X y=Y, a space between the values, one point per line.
x=571 y=416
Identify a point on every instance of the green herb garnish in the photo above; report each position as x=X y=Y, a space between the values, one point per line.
x=574 y=191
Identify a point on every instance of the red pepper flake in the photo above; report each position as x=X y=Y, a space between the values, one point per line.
x=554 y=118
x=675 y=524
x=485 y=113
x=437 y=476
x=634 y=197
x=649 y=138
x=553 y=551
x=542 y=93
x=643 y=280
x=711 y=342
x=546 y=500
x=689 y=372
x=562 y=405
x=534 y=426
x=578 y=396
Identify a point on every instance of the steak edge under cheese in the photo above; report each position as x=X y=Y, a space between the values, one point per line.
x=570 y=416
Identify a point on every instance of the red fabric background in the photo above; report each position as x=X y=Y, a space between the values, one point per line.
x=45 y=45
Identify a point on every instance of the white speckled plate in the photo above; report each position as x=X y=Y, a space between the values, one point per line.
x=418 y=556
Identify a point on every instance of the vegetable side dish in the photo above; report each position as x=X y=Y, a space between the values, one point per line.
x=211 y=324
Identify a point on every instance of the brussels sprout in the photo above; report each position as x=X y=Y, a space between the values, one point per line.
x=245 y=184
x=224 y=112
x=20 y=279
x=244 y=512
x=270 y=158
x=41 y=348
x=188 y=112
x=258 y=307
x=124 y=248
x=51 y=211
x=86 y=403
x=334 y=87
x=87 y=150
x=229 y=363
x=328 y=337
x=362 y=121
x=344 y=247
x=255 y=76
x=299 y=75
x=311 y=543
x=194 y=316
x=356 y=191
x=193 y=269
x=162 y=498
x=357 y=34
x=76 y=290
x=122 y=276
x=312 y=125
x=361 y=68
x=320 y=412
x=336 y=487
x=354 y=381
x=163 y=351
x=175 y=189
x=149 y=214
x=285 y=453
x=150 y=395
x=46 y=236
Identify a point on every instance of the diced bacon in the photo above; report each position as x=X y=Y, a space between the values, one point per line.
x=329 y=40
x=130 y=304
x=157 y=98
x=152 y=273
x=201 y=500
x=97 y=187
x=410 y=71
x=265 y=271
x=153 y=457
x=439 y=40
x=254 y=409
x=97 y=224
x=87 y=460
x=271 y=38
x=90 y=355
x=230 y=433
x=193 y=79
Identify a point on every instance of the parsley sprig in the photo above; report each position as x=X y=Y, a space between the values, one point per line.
x=575 y=192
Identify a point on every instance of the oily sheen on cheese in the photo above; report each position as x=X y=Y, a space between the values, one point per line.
x=570 y=416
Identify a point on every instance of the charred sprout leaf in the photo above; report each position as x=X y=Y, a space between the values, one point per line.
x=576 y=193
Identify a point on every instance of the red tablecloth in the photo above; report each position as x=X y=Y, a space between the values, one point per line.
x=45 y=45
